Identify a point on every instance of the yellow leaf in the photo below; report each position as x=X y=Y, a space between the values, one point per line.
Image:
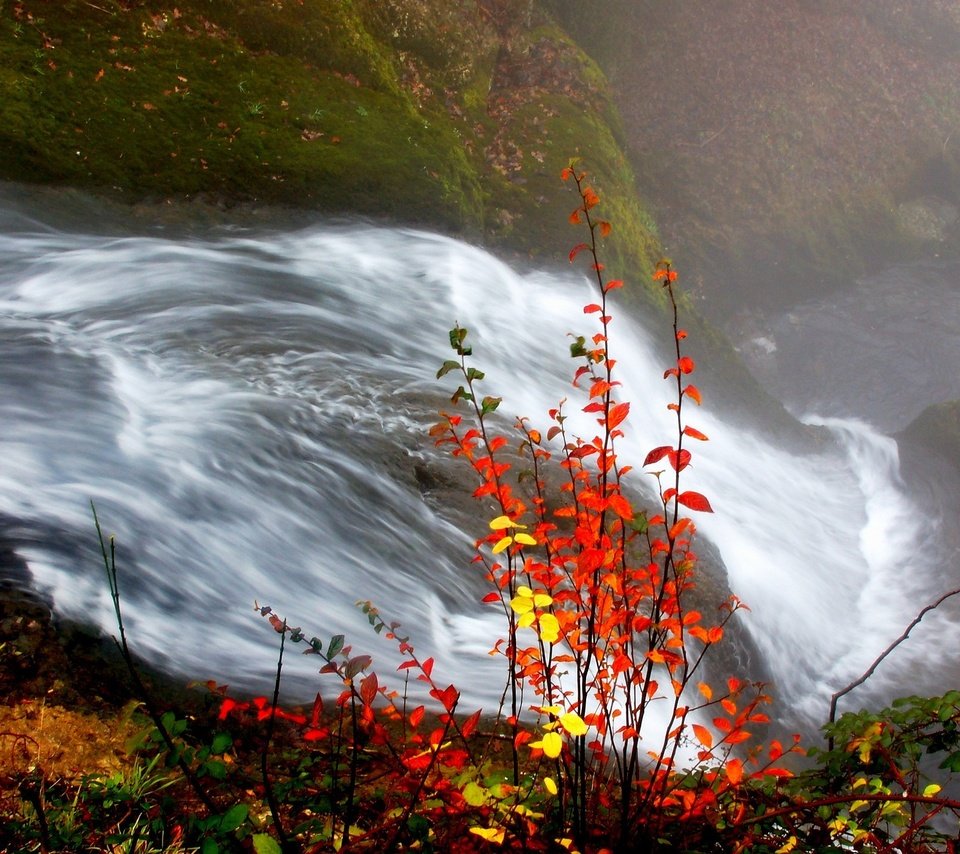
x=931 y=790
x=502 y=544
x=525 y=539
x=838 y=825
x=491 y=834
x=549 y=628
x=787 y=846
x=550 y=785
x=521 y=604
x=541 y=600
x=573 y=723
x=500 y=523
x=526 y=620
x=551 y=744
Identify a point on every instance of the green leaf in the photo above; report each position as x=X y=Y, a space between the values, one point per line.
x=952 y=762
x=210 y=846
x=489 y=404
x=461 y=394
x=221 y=742
x=216 y=769
x=234 y=817
x=474 y=794
x=457 y=336
x=577 y=349
x=418 y=826
x=335 y=645
x=448 y=365
x=263 y=844
x=475 y=375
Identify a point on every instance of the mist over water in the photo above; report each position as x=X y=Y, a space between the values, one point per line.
x=249 y=412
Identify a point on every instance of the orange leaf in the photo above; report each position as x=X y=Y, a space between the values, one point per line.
x=617 y=414
x=693 y=393
x=686 y=365
x=704 y=736
x=619 y=505
x=693 y=433
x=734 y=771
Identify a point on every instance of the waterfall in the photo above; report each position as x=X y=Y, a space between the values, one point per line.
x=248 y=409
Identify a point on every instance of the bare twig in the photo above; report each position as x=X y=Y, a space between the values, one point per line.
x=286 y=846
x=872 y=668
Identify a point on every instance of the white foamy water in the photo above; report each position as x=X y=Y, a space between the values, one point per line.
x=249 y=411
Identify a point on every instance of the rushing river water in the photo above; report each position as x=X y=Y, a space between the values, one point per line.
x=248 y=410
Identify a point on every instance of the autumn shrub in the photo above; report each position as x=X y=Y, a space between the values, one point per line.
x=605 y=688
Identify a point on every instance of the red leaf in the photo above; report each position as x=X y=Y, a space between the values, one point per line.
x=695 y=501
x=693 y=393
x=734 y=771
x=617 y=414
x=315 y=733
x=679 y=459
x=448 y=697
x=368 y=688
x=228 y=705
x=613 y=284
x=416 y=716
x=470 y=724
x=427 y=666
x=686 y=365
x=592 y=308
x=577 y=250
x=491 y=597
x=522 y=737
x=657 y=454
x=693 y=433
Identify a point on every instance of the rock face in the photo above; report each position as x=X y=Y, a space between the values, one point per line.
x=787 y=148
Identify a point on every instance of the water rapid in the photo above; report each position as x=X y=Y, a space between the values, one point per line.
x=248 y=410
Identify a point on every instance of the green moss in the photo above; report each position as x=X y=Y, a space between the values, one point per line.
x=379 y=108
